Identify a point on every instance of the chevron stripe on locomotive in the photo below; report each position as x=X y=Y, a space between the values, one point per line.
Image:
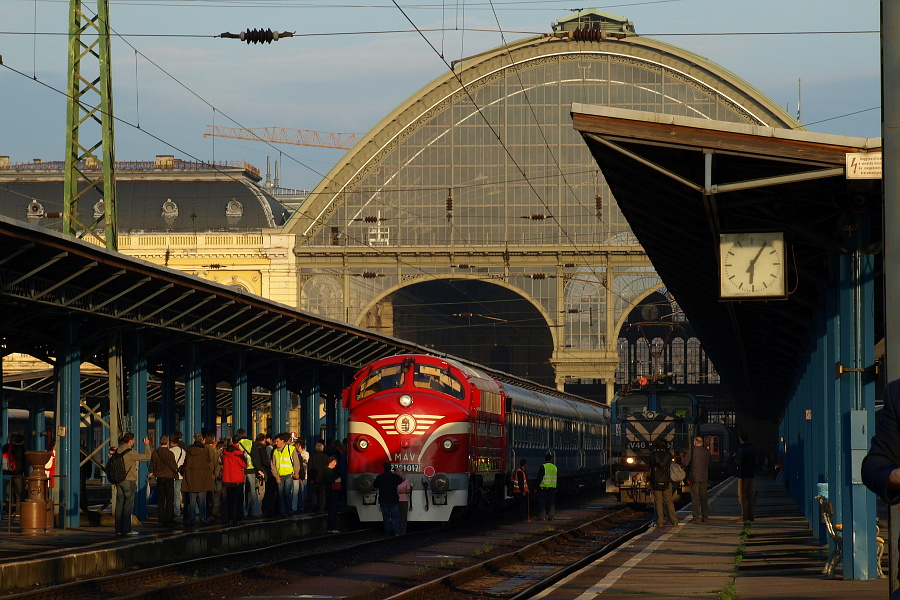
x=639 y=418
x=459 y=434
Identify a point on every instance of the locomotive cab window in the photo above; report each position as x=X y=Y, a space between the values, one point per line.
x=431 y=377
x=678 y=405
x=379 y=380
x=632 y=404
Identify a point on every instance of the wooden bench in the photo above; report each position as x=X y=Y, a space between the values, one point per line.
x=835 y=533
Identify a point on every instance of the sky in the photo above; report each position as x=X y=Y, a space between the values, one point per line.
x=351 y=62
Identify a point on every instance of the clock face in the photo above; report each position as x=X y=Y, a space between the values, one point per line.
x=751 y=265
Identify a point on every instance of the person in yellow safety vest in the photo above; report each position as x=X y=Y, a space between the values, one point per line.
x=520 y=489
x=547 y=487
x=251 y=497
x=285 y=468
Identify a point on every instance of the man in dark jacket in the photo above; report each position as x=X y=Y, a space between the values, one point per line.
x=386 y=483
x=697 y=464
x=745 y=460
x=268 y=501
x=318 y=462
x=163 y=466
x=881 y=466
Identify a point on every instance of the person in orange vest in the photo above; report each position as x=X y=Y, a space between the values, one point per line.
x=520 y=489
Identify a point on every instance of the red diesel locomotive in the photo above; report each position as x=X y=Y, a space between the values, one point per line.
x=458 y=433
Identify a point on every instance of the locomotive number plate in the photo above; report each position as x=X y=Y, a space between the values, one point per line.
x=410 y=468
x=639 y=445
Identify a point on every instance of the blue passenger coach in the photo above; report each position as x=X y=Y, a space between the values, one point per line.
x=638 y=418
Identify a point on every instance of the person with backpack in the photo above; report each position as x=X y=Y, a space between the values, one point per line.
x=124 y=463
x=661 y=482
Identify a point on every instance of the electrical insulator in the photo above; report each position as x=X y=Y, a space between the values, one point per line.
x=538 y=276
x=449 y=203
x=371 y=219
x=258 y=36
x=462 y=266
x=599 y=202
x=369 y=275
x=537 y=217
x=335 y=236
x=569 y=265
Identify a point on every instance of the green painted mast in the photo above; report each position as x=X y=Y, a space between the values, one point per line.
x=90 y=165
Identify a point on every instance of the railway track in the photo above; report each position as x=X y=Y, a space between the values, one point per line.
x=503 y=567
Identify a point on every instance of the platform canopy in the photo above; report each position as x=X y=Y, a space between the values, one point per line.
x=683 y=181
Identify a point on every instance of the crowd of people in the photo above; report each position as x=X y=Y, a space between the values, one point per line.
x=231 y=479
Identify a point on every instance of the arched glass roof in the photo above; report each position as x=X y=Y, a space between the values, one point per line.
x=497 y=161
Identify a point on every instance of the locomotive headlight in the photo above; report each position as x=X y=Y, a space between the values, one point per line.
x=405 y=400
x=630 y=460
x=362 y=443
x=449 y=444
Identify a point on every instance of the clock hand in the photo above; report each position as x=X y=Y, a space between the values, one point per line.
x=752 y=266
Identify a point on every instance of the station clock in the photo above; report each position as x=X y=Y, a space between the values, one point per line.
x=752 y=265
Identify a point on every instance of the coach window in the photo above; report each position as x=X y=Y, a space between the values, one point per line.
x=379 y=380
x=438 y=379
x=678 y=405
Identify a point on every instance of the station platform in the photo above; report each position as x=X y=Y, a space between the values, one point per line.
x=62 y=555
x=781 y=560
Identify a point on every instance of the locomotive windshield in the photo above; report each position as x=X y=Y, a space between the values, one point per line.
x=431 y=377
x=379 y=380
x=631 y=405
x=677 y=404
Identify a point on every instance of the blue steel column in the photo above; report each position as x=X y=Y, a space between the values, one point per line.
x=890 y=134
x=68 y=416
x=279 y=402
x=312 y=411
x=342 y=416
x=4 y=431
x=165 y=420
x=832 y=342
x=208 y=407
x=39 y=427
x=857 y=395
x=240 y=397
x=137 y=408
x=816 y=400
x=193 y=396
